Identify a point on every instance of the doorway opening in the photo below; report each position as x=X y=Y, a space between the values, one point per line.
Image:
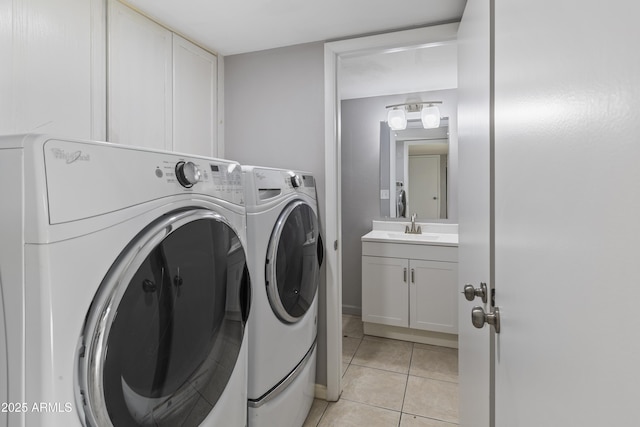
x=335 y=54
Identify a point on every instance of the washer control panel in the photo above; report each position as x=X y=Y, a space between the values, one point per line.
x=108 y=177
x=219 y=178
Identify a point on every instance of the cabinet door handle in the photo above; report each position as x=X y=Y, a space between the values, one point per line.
x=413 y=276
x=405 y=275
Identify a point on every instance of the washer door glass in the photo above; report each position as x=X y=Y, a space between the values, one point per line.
x=168 y=325
x=293 y=262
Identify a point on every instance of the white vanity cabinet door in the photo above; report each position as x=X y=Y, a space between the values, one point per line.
x=433 y=296
x=139 y=79
x=194 y=99
x=385 y=295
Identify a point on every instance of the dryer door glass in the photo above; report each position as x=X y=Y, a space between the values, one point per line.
x=175 y=313
x=293 y=262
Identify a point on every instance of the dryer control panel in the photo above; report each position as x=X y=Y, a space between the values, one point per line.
x=107 y=177
x=270 y=183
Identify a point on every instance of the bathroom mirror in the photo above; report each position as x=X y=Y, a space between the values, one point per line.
x=417 y=162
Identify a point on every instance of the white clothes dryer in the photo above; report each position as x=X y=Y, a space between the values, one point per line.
x=285 y=253
x=124 y=286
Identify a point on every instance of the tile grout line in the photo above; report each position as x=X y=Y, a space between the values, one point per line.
x=432 y=418
x=432 y=379
x=406 y=384
x=369 y=405
x=324 y=411
x=357 y=347
x=431 y=375
x=412 y=359
x=379 y=369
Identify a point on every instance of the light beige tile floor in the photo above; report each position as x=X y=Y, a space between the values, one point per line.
x=390 y=383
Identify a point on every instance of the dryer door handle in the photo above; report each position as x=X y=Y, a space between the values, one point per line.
x=245 y=294
x=320 y=249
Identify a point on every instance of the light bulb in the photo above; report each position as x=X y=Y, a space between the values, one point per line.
x=430 y=117
x=397 y=119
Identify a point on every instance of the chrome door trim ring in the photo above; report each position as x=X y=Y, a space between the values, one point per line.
x=282 y=385
x=270 y=268
x=91 y=355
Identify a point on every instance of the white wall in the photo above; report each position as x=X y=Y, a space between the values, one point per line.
x=360 y=125
x=274 y=116
x=274 y=108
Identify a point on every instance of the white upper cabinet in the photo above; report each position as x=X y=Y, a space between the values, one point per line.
x=162 y=89
x=139 y=80
x=194 y=98
x=50 y=79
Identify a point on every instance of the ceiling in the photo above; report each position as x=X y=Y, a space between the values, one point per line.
x=411 y=70
x=233 y=27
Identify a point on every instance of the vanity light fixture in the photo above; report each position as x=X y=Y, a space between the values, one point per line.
x=425 y=110
x=397 y=119
x=430 y=117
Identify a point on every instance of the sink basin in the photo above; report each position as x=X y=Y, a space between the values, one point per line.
x=434 y=234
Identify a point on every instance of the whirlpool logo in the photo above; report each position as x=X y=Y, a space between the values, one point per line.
x=70 y=157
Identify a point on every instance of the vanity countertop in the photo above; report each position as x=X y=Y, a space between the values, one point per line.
x=432 y=234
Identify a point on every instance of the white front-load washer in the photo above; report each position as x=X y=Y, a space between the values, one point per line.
x=285 y=254
x=124 y=286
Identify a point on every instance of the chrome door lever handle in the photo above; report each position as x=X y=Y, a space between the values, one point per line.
x=470 y=293
x=479 y=318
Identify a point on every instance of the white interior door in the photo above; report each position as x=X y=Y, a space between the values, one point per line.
x=474 y=210
x=423 y=197
x=567 y=210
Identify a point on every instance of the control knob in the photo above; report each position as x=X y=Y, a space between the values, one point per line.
x=296 y=181
x=187 y=173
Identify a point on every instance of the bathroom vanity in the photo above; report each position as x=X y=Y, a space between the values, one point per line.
x=409 y=282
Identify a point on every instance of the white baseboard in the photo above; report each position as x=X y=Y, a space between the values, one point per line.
x=413 y=335
x=321 y=392
x=352 y=310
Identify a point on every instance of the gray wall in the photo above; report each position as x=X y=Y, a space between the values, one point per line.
x=360 y=124
x=274 y=116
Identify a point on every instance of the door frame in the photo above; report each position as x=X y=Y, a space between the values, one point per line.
x=333 y=53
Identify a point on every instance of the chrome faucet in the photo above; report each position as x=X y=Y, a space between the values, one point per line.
x=413 y=229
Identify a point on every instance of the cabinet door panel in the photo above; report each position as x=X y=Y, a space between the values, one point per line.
x=385 y=296
x=47 y=80
x=434 y=301
x=194 y=99
x=140 y=95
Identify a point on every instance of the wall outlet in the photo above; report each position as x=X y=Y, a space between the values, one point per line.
x=384 y=194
